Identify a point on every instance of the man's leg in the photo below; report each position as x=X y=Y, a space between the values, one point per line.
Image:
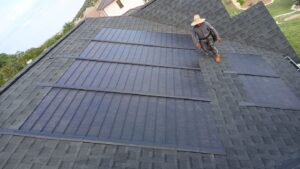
x=211 y=46
x=214 y=50
x=203 y=46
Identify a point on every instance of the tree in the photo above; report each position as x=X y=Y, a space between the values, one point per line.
x=241 y=1
x=297 y=2
x=10 y=65
x=68 y=26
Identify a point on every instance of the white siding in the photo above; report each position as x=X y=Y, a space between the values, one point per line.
x=114 y=9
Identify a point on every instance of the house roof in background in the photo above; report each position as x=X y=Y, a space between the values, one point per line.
x=132 y=92
x=104 y=3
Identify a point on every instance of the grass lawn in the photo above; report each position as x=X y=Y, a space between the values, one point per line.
x=280 y=7
x=276 y=8
x=284 y=17
x=291 y=31
x=289 y=28
x=231 y=9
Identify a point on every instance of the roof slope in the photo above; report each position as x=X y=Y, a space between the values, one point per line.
x=255 y=27
x=250 y=126
x=104 y=3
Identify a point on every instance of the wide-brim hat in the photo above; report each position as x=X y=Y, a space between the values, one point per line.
x=197 y=20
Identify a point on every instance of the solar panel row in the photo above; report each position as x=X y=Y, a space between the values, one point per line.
x=263 y=86
x=134 y=104
x=141 y=54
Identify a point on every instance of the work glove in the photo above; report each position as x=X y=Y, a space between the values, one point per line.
x=219 y=40
x=198 y=46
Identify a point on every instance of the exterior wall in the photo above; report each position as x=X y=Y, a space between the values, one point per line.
x=114 y=10
x=93 y=12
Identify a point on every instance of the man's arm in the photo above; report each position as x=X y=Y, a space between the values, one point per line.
x=196 y=40
x=214 y=31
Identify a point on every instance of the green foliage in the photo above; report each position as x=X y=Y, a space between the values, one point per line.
x=231 y=9
x=67 y=27
x=241 y=1
x=6 y=68
x=289 y=28
x=10 y=65
x=279 y=7
x=4 y=58
x=292 y=33
x=86 y=4
x=297 y=2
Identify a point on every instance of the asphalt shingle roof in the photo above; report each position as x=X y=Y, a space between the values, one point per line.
x=255 y=26
x=34 y=134
x=104 y=3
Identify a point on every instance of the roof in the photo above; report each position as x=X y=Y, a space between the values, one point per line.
x=241 y=28
x=104 y=3
x=129 y=92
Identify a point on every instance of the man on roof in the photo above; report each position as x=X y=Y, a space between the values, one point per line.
x=204 y=36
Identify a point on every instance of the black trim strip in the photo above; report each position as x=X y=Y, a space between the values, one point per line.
x=250 y=104
x=125 y=62
x=39 y=135
x=249 y=74
x=138 y=44
x=121 y=92
x=135 y=63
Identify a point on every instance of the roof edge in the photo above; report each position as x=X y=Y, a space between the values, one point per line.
x=104 y=3
x=9 y=83
x=132 y=11
x=257 y=27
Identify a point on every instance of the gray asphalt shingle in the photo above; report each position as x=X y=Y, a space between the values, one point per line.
x=252 y=137
x=130 y=104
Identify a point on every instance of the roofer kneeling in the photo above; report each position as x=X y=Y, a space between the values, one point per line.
x=204 y=36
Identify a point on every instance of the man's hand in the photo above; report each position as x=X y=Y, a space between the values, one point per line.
x=198 y=46
x=219 y=40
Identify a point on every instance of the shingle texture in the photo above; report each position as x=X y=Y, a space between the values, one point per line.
x=180 y=13
x=257 y=27
x=252 y=137
x=104 y=3
x=254 y=26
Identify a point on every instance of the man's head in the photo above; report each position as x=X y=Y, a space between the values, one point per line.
x=197 y=20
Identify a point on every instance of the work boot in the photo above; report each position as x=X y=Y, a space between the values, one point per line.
x=218 y=58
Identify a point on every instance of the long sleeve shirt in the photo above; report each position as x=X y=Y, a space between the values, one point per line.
x=203 y=31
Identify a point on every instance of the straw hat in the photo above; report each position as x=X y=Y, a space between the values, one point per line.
x=197 y=20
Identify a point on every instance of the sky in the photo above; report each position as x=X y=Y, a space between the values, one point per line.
x=28 y=23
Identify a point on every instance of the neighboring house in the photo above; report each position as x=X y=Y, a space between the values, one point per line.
x=93 y=12
x=119 y=7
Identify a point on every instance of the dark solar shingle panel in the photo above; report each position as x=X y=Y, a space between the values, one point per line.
x=269 y=92
x=126 y=119
x=141 y=54
x=248 y=64
x=169 y=40
x=263 y=86
x=155 y=80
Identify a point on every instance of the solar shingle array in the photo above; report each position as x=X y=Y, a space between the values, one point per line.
x=264 y=87
x=261 y=132
x=164 y=104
